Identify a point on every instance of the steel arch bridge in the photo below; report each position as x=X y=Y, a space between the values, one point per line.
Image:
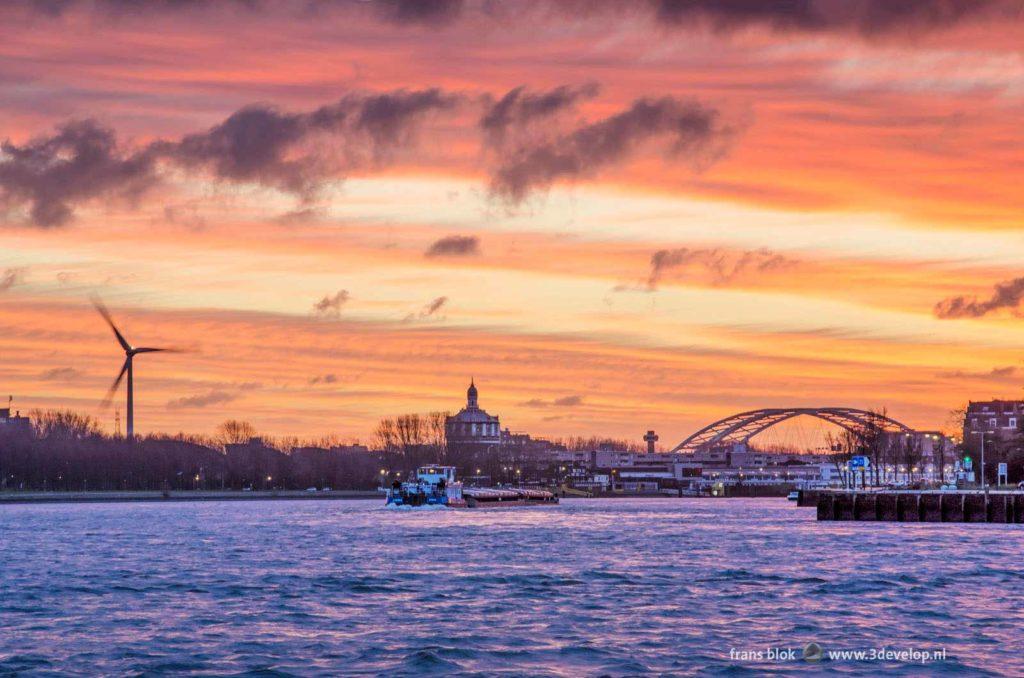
x=740 y=428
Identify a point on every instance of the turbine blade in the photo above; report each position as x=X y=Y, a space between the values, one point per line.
x=157 y=350
x=105 y=403
x=110 y=321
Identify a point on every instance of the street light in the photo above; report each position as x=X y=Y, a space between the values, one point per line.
x=983 y=485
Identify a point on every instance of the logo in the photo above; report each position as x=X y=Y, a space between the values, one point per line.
x=813 y=652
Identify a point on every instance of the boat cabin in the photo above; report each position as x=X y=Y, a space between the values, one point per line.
x=434 y=474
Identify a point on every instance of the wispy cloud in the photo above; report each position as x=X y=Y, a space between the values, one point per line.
x=686 y=130
x=723 y=266
x=868 y=17
x=1005 y=295
x=520 y=108
x=61 y=374
x=330 y=305
x=565 y=401
x=429 y=310
x=200 y=401
x=995 y=374
x=11 y=277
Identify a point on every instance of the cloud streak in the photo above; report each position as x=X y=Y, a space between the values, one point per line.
x=60 y=374
x=454 y=246
x=687 y=130
x=203 y=400
x=723 y=265
x=866 y=17
x=574 y=400
x=521 y=108
x=995 y=374
x=1006 y=295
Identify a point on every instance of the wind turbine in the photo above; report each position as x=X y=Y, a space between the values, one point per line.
x=129 y=352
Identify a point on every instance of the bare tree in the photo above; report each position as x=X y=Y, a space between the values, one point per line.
x=234 y=431
x=411 y=433
x=436 y=435
x=841 y=448
x=64 y=425
x=386 y=436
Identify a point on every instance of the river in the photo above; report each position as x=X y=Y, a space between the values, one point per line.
x=589 y=587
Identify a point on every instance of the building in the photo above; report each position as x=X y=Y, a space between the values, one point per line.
x=13 y=423
x=998 y=418
x=472 y=431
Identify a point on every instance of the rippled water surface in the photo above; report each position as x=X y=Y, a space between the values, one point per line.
x=613 y=587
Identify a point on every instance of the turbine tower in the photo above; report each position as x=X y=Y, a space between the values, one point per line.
x=129 y=352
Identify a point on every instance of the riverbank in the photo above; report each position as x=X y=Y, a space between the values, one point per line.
x=20 y=497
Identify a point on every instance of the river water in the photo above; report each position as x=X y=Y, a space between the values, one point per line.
x=590 y=587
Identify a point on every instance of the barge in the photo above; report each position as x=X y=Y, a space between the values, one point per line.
x=436 y=486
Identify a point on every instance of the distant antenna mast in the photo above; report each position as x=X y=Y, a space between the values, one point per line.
x=117 y=422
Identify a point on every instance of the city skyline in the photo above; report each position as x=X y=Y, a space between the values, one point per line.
x=615 y=221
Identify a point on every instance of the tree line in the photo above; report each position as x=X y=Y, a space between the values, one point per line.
x=65 y=450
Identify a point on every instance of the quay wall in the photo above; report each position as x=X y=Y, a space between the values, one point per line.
x=964 y=506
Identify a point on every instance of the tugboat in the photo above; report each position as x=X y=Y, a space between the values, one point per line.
x=435 y=486
x=432 y=486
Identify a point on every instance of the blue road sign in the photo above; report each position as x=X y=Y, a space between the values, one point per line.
x=859 y=462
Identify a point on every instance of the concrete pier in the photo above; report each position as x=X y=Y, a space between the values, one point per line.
x=962 y=506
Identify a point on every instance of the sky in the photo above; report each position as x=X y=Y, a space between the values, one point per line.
x=614 y=216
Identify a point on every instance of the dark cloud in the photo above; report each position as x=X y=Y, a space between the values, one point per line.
x=60 y=374
x=330 y=305
x=1006 y=295
x=324 y=379
x=11 y=277
x=865 y=17
x=723 y=265
x=214 y=397
x=521 y=107
x=454 y=245
x=264 y=145
x=686 y=129
x=294 y=152
x=868 y=17
x=80 y=162
x=424 y=12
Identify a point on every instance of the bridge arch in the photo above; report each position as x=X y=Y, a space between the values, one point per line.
x=740 y=428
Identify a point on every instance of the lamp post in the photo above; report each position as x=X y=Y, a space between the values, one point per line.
x=983 y=485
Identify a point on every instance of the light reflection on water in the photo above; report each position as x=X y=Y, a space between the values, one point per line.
x=588 y=587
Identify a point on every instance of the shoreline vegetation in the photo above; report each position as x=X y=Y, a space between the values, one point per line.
x=54 y=451
x=113 y=496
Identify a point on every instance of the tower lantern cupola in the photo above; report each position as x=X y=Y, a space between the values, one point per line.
x=471 y=396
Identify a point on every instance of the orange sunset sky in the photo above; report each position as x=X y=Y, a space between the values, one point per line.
x=614 y=215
